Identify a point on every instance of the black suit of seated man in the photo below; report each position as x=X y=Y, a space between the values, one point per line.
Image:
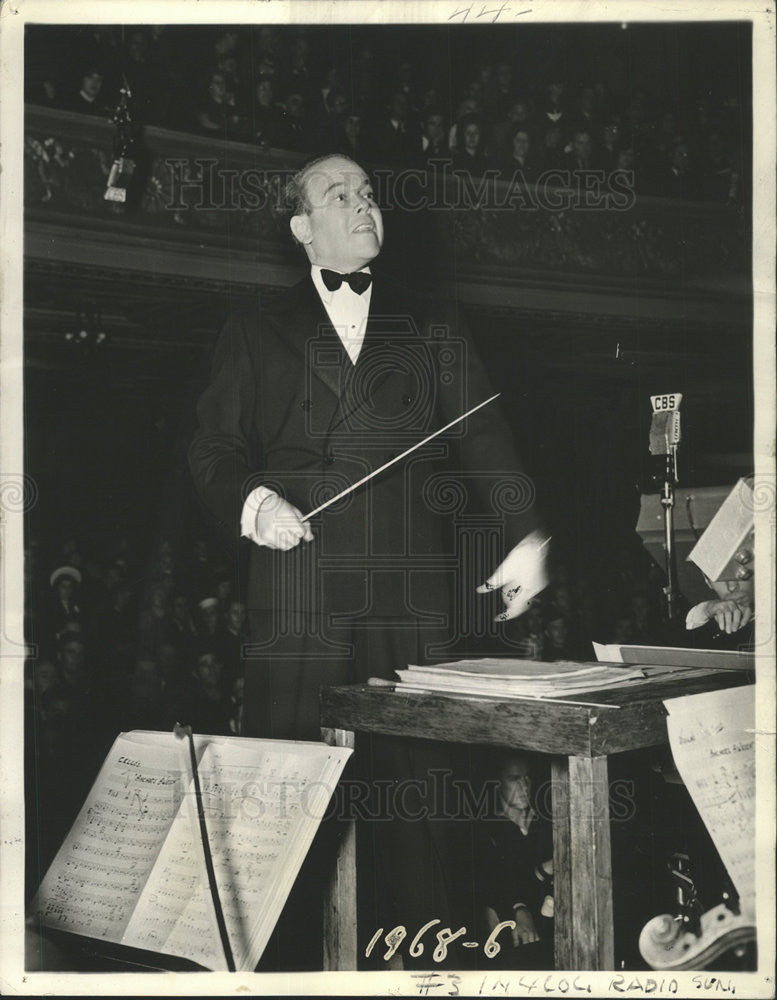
x=310 y=393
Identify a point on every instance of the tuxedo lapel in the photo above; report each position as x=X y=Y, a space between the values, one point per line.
x=386 y=320
x=314 y=339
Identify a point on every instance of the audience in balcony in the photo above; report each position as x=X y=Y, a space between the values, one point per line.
x=283 y=87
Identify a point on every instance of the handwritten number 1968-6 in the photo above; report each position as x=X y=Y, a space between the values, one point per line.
x=445 y=936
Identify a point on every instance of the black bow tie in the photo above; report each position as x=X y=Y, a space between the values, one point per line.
x=359 y=281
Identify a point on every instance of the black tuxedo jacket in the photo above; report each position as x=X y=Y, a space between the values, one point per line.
x=287 y=409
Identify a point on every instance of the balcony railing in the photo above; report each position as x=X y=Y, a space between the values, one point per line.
x=200 y=205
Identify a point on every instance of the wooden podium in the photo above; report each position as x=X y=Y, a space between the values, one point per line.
x=579 y=739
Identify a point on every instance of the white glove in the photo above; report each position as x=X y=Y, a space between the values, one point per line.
x=522 y=575
x=268 y=519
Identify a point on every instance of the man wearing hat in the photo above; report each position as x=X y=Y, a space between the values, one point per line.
x=63 y=606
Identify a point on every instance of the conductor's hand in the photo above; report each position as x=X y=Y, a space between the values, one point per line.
x=521 y=576
x=524 y=932
x=279 y=524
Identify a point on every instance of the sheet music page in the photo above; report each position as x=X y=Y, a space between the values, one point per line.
x=263 y=802
x=713 y=743
x=94 y=882
x=608 y=653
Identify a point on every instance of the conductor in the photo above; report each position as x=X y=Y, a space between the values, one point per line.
x=312 y=391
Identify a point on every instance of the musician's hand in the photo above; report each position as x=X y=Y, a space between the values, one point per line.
x=729 y=615
x=524 y=931
x=279 y=524
x=521 y=576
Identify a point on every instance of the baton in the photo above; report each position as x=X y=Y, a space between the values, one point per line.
x=398 y=458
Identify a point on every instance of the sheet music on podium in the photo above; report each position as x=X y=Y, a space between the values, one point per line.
x=713 y=743
x=130 y=871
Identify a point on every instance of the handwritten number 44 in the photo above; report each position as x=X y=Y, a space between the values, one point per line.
x=445 y=936
x=493 y=12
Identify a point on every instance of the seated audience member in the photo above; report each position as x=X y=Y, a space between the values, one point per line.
x=201 y=702
x=365 y=91
x=658 y=151
x=181 y=631
x=534 y=625
x=44 y=675
x=433 y=141
x=329 y=127
x=295 y=126
x=503 y=91
x=147 y=78
x=514 y=868
x=581 y=153
x=198 y=571
x=63 y=605
x=470 y=153
x=677 y=179
x=562 y=641
x=552 y=154
x=233 y=638
x=468 y=107
x=520 y=164
x=649 y=629
x=623 y=633
x=553 y=108
x=145 y=708
x=517 y=117
x=330 y=83
x=299 y=78
x=392 y=135
x=430 y=100
x=405 y=84
x=719 y=180
x=88 y=100
x=170 y=670
x=610 y=145
x=217 y=113
x=223 y=589
x=209 y=620
x=154 y=622
x=114 y=631
x=351 y=142
x=265 y=122
x=585 y=117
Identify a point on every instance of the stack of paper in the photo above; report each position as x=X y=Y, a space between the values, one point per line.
x=674 y=656
x=516 y=678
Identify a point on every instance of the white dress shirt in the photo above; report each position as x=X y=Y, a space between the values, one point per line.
x=348 y=312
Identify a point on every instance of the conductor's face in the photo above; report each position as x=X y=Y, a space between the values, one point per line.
x=343 y=228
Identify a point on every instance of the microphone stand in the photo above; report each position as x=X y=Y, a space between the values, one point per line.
x=667 y=502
